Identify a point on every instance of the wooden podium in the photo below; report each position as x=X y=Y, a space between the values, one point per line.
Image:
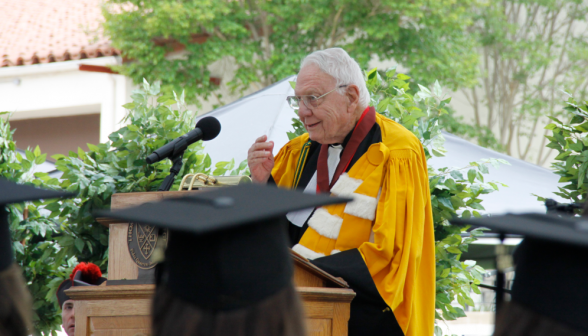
x=123 y=310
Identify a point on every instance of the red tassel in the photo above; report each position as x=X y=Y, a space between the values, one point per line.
x=90 y=272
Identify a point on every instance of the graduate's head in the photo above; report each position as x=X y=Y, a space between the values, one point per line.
x=330 y=95
x=228 y=268
x=84 y=274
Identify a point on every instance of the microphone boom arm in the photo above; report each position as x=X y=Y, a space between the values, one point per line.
x=175 y=147
x=206 y=129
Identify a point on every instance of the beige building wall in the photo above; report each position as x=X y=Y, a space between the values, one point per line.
x=57 y=135
x=60 y=89
x=535 y=140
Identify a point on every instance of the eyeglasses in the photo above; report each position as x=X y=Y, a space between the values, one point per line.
x=309 y=101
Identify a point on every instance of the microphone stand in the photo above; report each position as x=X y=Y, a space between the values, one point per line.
x=154 y=275
x=502 y=262
x=173 y=172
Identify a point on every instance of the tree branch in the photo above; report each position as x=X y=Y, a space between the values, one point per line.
x=334 y=29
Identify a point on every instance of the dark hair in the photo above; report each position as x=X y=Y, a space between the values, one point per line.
x=279 y=315
x=15 y=303
x=548 y=294
x=517 y=320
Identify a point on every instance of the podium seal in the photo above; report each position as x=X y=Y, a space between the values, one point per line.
x=143 y=240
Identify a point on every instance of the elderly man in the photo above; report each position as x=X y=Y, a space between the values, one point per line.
x=382 y=243
x=68 y=318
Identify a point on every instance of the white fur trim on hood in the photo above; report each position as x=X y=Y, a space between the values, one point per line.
x=362 y=206
x=306 y=252
x=345 y=185
x=325 y=224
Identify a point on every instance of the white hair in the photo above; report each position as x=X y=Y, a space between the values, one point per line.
x=337 y=63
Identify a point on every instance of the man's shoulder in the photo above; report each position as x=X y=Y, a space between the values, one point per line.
x=296 y=143
x=396 y=136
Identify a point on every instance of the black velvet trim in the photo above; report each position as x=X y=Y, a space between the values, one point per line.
x=551 y=280
x=61 y=296
x=6 y=256
x=310 y=165
x=296 y=232
x=370 y=315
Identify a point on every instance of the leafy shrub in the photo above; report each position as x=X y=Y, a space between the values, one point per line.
x=54 y=242
x=119 y=166
x=454 y=192
x=33 y=234
x=570 y=140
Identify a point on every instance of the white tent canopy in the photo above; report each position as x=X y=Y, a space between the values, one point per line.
x=266 y=112
x=522 y=178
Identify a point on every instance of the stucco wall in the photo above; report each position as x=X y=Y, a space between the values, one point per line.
x=57 y=135
x=60 y=89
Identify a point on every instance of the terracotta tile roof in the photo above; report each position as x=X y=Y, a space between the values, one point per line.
x=43 y=31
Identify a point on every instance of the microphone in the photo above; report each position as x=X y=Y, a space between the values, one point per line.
x=206 y=129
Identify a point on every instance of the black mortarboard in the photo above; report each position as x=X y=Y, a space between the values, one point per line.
x=551 y=264
x=228 y=247
x=11 y=192
x=570 y=230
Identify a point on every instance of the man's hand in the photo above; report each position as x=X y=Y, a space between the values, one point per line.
x=260 y=159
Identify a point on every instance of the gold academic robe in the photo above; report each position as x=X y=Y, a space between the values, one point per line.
x=389 y=222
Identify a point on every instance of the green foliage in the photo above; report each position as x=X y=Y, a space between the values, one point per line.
x=33 y=234
x=266 y=40
x=454 y=192
x=48 y=246
x=570 y=140
x=119 y=166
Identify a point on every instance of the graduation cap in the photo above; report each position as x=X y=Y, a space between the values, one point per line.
x=228 y=247
x=552 y=263
x=11 y=192
x=84 y=274
x=570 y=230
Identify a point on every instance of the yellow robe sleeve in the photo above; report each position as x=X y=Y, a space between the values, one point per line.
x=286 y=162
x=401 y=255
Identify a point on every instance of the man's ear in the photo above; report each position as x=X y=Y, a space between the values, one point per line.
x=352 y=94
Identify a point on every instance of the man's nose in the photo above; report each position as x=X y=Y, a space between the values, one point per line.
x=303 y=111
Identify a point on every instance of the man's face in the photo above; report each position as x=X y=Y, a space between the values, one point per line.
x=332 y=119
x=68 y=318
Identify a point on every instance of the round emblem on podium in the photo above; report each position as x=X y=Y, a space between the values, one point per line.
x=143 y=240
